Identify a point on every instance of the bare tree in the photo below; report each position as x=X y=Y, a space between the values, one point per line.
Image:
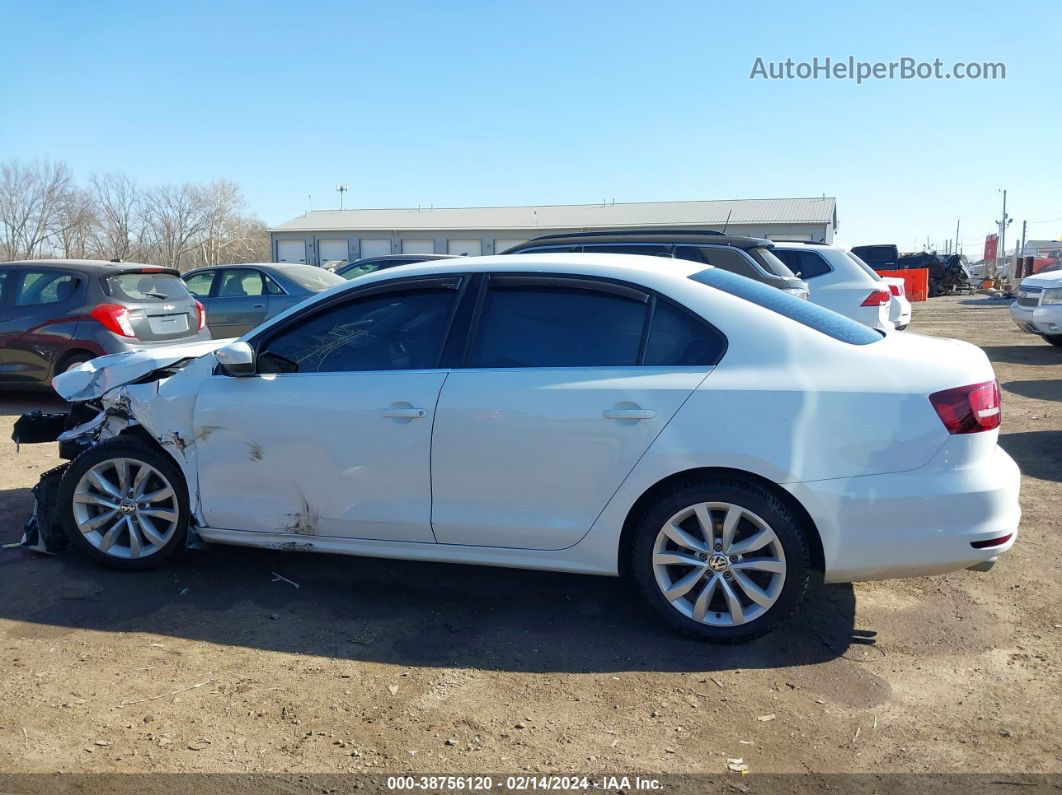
x=175 y=218
x=119 y=232
x=77 y=224
x=32 y=196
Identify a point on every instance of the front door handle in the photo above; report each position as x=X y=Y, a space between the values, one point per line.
x=258 y=306
x=629 y=414
x=405 y=414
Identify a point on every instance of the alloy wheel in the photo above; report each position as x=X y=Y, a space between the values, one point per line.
x=125 y=508
x=719 y=564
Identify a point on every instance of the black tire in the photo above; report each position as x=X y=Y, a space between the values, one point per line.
x=73 y=359
x=141 y=451
x=934 y=288
x=903 y=327
x=754 y=499
x=1054 y=339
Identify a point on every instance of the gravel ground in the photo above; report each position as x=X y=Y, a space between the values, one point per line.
x=377 y=666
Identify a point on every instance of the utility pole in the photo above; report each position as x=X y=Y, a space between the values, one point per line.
x=958 y=245
x=341 y=189
x=1003 y=234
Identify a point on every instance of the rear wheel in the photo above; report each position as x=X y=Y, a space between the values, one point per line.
x=721 y=559
x=125 y=504
x=1054 y=339
x=73 y=360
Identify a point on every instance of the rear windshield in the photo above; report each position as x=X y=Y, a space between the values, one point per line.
x=873 y=274
x=811 y=315
x=139 y=287
x=312 y=278
x=770 y=263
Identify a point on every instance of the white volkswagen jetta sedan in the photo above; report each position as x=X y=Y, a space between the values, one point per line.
x=715 y=439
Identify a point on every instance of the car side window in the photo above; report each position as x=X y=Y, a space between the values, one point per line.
x=557 y=327
x=400 y=330
x=806 y=264
x=678 y=339
x=271 y=287
x=645 y=249
x=728 y=259
x=240 y=283
x=199 y=284
x=45 y=287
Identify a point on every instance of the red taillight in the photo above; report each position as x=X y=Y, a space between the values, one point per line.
x=114 y=317
x=200 y=313
x=896 y=289
x=969 y=409
x=877 y=298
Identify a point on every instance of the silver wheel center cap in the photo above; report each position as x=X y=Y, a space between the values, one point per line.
x=718 y=562
x=127 y=506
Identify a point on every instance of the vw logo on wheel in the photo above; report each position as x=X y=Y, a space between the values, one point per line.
x=717 y=562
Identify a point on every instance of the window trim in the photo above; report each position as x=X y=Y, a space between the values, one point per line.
x=458 y=282
x=606 y=285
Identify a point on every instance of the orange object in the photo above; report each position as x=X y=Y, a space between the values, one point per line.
x=915 y=282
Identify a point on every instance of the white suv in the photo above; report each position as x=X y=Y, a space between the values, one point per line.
x=840 y=282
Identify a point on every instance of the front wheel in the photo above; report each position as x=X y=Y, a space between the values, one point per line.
x=721 y=559
x=1054 y=339
x=125 y=504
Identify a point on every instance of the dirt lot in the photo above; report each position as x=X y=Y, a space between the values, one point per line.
x=379 y=666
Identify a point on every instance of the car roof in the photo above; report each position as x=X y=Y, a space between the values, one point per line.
x=702 y=236
x=798 y=244
x=85 y=265
x=620 y=266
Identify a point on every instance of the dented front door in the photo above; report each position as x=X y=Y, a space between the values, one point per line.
x=342 y=454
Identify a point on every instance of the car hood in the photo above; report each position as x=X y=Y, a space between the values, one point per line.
x=1049 y=279
x=96 y=377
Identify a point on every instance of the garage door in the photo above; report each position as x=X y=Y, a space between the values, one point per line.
x=472 y=248
x=331 y=250
x=501 y=245
x=375 y=248
x=418 y=246
x=291 y=251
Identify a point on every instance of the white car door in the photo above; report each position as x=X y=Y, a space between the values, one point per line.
x=332 y=436
x=569 y=380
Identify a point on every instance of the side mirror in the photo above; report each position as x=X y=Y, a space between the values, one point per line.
x=236 y=359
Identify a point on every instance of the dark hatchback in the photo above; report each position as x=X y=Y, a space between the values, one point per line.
x=750 y=257
x=55 y=314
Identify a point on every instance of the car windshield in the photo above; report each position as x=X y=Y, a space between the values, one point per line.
x=140 y=286
x=312 y=278
x=806 y=313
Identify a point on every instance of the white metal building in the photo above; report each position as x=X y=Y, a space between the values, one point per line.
x=323 y=235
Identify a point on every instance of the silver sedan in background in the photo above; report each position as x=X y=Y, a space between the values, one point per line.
x=239 y=297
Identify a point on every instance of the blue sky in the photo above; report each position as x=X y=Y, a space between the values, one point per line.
x=460 y=103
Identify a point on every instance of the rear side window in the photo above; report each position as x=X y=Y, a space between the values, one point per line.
x=45 y=287
x=557 y=327
x=728 y=259
x=869 y=271
x=805 y=264
x=146 y=287
x=678 y=339
x=240 y=283
x=806 y=313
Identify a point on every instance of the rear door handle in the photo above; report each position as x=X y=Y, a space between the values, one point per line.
x=257 y=306
x=629 y=414
x=405 y=414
